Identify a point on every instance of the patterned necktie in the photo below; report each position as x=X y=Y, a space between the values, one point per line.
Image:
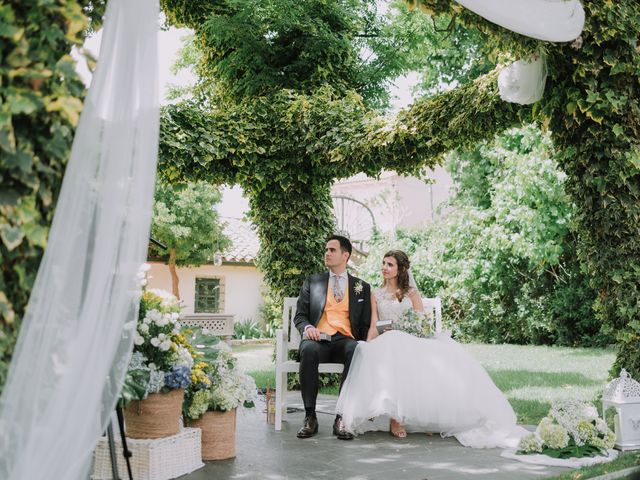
x=338 y=294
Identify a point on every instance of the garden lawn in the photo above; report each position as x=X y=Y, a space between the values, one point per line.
x=531 y=377
x=625 y=461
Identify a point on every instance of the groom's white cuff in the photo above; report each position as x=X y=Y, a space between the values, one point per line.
x=307 y=326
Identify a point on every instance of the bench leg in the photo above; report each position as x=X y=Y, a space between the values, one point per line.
x=279 y=398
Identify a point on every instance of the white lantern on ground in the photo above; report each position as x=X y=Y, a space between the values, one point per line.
x=623 y=394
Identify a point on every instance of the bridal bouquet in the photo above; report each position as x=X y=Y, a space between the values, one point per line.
x=418 y=324
x=162 y=357
x=217 y=385
x=572 y=429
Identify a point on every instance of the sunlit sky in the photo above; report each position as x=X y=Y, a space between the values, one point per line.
x=169 y=43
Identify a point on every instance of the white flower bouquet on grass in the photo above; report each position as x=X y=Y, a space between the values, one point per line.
x=572 y=429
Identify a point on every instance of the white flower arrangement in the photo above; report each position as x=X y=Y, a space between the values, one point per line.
x=571 y=429
x=358 y=287
x=219 y=386
x=162 y=357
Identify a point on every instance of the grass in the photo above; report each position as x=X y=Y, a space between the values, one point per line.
x=625 y=460
x=531 y=377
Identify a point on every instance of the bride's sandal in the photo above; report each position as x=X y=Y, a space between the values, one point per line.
x=397 y=429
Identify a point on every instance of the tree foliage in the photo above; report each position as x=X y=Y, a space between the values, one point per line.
x=592 y=107
x=259 y=47
x=504 y=260
x=286 y=149
x=185 y=220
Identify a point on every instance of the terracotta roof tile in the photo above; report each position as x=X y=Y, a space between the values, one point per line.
x=245 y=244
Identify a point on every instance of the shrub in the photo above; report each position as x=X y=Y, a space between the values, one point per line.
x=246 y=329
x=504 y=260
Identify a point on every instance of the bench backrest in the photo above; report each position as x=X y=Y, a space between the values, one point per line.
x=432 y=305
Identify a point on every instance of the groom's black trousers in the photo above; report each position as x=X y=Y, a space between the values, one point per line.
x=339 y=350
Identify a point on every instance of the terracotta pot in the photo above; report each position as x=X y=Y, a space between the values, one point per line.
x=218 y=434
x=156 y=416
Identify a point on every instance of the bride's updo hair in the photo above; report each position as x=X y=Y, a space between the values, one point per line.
x=403 y=272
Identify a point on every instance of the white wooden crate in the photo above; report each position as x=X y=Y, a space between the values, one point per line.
x=153 y=459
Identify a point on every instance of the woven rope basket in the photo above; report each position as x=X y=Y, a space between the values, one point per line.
x=156 y=416
x=218 y=434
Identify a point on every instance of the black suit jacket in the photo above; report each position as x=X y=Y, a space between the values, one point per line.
x=313 y=297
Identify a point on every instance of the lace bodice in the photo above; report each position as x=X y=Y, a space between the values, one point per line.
x=389 y=308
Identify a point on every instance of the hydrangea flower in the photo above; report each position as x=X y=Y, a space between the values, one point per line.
x=199 y=404
x=530 y=444
x=570 y=423
x=180 y=377
x=552 y=434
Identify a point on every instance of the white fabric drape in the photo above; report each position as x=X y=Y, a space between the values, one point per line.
x=523 y=81
x=550 y=20
x=76 y=336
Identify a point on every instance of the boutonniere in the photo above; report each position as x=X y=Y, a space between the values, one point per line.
x=358 y=288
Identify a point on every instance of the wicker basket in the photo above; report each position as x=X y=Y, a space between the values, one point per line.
x=218 y=434
x=153 y=459
x=156 y=416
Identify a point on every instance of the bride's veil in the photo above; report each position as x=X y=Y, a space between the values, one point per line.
x=77 y=333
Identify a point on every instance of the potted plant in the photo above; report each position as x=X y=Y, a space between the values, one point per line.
x=217 y=389
x=159 y=371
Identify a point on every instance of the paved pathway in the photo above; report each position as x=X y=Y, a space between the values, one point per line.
x=263 y=453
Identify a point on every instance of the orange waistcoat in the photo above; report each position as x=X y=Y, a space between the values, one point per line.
x=335 y=317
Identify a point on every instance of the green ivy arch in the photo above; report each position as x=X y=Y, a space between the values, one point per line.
x=286 y=148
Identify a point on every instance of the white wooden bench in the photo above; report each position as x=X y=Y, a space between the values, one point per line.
x=288 y=338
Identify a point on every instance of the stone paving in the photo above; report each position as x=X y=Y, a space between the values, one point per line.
x=263 y=453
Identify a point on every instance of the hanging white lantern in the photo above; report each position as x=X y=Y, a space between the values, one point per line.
x=623 y=394
x=523 y=81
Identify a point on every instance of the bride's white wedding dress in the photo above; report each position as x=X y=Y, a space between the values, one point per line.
x=430 y=385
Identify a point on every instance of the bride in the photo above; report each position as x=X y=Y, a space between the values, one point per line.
x=420 y=384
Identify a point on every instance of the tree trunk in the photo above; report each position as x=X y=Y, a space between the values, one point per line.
x=174 y=274
x=292 y=226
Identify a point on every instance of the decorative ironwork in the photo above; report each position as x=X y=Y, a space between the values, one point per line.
x=355 y=220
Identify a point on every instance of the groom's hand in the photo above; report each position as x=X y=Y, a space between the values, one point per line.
x=312 y=333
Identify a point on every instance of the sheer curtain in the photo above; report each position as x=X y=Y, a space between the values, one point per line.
x=76 y=337
x=550 y=20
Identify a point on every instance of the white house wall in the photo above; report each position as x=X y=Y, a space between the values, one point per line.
x=240 y=294
x=398 y=201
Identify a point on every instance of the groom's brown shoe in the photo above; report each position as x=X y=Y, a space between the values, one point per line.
x=340 y=430
x=309 y=427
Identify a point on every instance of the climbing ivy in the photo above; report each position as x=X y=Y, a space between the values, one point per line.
x=592 y=107
x=40 y=102
x=286 y=149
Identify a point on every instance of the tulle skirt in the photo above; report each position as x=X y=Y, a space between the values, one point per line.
x=430 y=385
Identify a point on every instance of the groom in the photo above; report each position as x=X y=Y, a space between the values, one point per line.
x=333 y=312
